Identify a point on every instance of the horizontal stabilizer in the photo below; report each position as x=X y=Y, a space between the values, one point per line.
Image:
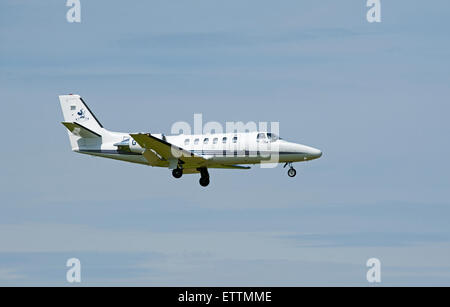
x=80 y=130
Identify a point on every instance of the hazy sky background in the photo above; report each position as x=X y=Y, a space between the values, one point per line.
x=372 y=97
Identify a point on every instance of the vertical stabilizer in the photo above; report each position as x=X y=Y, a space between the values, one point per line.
x=78 y=118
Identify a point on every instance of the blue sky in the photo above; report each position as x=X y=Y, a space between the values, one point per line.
x=372 y=97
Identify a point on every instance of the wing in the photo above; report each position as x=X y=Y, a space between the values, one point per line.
x=168 y=151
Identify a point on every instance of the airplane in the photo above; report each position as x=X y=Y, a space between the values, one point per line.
x=183 y=154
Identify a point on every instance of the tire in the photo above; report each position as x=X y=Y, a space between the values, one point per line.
x=292 y=172
x=177 y=173
x=204 y=181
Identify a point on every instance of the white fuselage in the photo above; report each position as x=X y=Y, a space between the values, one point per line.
x=228 y=149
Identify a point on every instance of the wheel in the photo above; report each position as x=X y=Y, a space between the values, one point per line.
x=204 y=181
x=292 y=172
x=177 y=173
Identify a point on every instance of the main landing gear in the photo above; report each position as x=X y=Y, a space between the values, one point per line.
x=291 y=172
x=177 y=172
x=204 y=179
x=204 y=175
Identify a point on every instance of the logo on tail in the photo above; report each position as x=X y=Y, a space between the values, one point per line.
x=81 y=116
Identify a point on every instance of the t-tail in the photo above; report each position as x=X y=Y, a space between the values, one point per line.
x=84 y=128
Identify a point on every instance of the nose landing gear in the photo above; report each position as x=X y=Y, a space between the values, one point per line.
x=291 y=172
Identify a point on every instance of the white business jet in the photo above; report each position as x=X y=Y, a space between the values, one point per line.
x=183 y=154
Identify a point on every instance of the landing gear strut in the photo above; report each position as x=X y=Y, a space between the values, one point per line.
x=204 y=179
x=291 y=172
x=177 y=172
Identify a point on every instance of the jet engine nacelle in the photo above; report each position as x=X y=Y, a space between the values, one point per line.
x=135 y=147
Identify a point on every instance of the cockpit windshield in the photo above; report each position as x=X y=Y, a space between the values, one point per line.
x=271 y=137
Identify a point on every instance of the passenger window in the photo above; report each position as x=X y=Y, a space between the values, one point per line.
x=186 y=142
x=205 y=141
x=235 y=139
x=215 y=140
x=196 y=141
x=224 y=140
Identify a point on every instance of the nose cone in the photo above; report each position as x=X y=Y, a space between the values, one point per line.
x=303 y=152
x=314 y=153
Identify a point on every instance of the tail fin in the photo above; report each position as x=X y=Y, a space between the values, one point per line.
x=77 y=113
